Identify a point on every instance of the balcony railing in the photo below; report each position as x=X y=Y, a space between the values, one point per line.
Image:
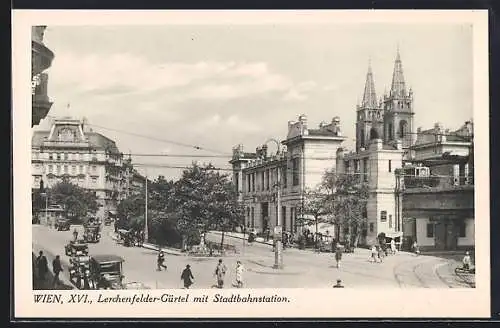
x=436 y=182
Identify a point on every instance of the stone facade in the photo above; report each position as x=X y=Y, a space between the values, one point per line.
x=293 y=169
x=86 y=158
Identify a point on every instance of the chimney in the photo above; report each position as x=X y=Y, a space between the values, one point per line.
x=264 y=151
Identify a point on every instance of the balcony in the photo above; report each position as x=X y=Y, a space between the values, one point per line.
x=41 y=57
x=436 y=182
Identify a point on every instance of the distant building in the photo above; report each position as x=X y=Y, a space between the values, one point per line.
x=88 y=159
x=438 y=189
x=301 y=165
x=41 y=60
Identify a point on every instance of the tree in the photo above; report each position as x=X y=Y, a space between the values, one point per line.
x=203 y=199
x=76 y=201
x=351 y=196
x=316 y=205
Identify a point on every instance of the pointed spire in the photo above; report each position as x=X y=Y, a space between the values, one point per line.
x=369 y=96
x=398 y=88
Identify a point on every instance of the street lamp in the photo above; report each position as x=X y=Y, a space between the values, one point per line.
x=278 y=249
x=44 y=194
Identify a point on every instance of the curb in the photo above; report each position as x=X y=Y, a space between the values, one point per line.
x=150 y=246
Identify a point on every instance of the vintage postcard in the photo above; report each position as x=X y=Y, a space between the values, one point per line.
x=239 y=164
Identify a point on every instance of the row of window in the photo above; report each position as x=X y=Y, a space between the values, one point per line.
x=266 y=179
x=79 y=181
x=68 y=156
x=251 y=218
x=66 y=169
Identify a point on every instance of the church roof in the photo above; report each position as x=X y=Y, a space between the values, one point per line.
x=398 y=87
x=95 y=139
x=369 y=96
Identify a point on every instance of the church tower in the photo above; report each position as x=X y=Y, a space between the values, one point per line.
x=369 y=118
x=398 y=109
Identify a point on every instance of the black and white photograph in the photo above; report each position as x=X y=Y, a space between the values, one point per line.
x=264 y=152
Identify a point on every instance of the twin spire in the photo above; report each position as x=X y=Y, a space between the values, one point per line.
x=398 y=87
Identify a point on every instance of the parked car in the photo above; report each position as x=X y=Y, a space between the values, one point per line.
x=106 y=272
x=62 y=224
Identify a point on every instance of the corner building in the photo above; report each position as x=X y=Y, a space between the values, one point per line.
x=88 y=159
x=300 y=164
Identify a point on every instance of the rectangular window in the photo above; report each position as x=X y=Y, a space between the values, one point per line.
x=267 y=182
x=94 y=181
x=262 y=180
x=58 y=157
x=284 y=176
x=51 y=168
x=283 y=216
x=383 y=216
x=253 y=217
x=66 y=169
x=295 y=171
x=66 y=156
x=73 y=169
x=58 y=169
x=390 y=221
x=462 y=229
x=94 y=168
x=430 y=230
x=237 y=181
x=51 y=156
x=253 y=181
x=80 y=169
x=365 y=169
x=371 y=227
x=248 y=182
x=390 y=166
x=292 y=219
x=248 y=216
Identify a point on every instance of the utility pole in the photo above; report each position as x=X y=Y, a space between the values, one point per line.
x=278 y=249
x=146 y=230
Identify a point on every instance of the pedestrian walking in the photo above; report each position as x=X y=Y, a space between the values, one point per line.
x=415 y=248
x=56 y=269
x=467 y=261
x=75 y=235
x=338 y=284
x=220 y=272
x=160 y=261
x=380 y=254
x=373 y=254
x=42 y=267
x=393 y=247
x=338 y=255
x=239 y=274
x=187 y=277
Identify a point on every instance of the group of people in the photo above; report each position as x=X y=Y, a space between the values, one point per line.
x=42 y=268
x=219 y=273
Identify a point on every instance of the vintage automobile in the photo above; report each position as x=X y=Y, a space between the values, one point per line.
x=62 y=224
x=79 y=271
x=92 y=233
x=107 y=221
x=76 y=248
x=106 y=272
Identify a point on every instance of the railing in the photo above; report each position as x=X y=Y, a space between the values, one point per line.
x=435 y=182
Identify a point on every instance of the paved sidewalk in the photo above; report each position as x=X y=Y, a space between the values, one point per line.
x=46 y=284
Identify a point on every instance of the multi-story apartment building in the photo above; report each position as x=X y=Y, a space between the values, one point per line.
x=88 y=159
x=295 y=168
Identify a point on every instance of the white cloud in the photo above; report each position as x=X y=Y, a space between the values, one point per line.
x=122 y=74
x=300 y=91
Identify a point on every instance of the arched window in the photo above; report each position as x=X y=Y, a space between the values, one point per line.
x=403 y=128
x=373 y=134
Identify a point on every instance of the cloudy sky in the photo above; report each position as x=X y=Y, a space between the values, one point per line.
x=218 y=86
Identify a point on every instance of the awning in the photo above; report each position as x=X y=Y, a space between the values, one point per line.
x=112 y=213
